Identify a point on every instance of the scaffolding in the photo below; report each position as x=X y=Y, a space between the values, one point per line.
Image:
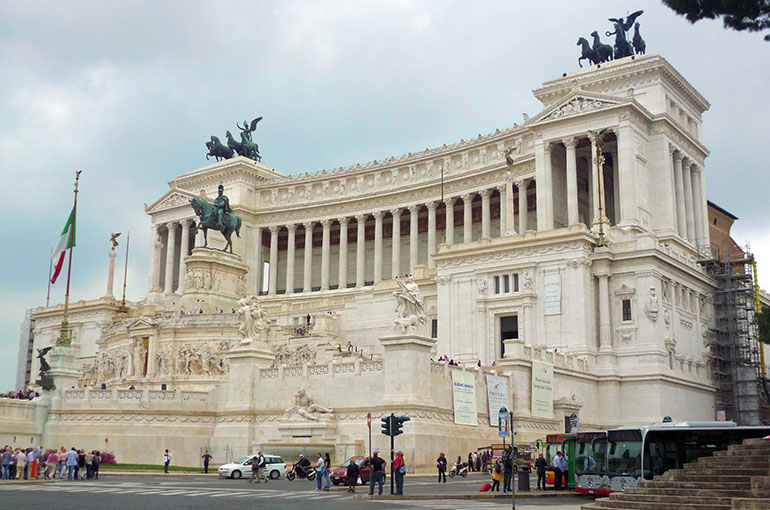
x=734 y=341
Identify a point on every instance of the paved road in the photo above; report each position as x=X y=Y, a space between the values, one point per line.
x=119 y=492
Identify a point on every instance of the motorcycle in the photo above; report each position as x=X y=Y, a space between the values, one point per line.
x=462 y=472
x=300 y=472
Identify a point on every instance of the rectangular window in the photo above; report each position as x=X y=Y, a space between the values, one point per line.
x=509 y=328
x=626 y=309
x=497 y=285
x=516 y=282
x=506 y=284
x=434 y=328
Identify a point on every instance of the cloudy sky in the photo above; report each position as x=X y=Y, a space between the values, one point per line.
x=129 y=94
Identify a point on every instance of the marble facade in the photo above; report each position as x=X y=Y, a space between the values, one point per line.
x=507 y=258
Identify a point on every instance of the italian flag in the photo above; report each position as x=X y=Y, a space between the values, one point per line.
x=65 y=242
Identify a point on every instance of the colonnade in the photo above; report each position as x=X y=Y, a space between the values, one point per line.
x=690 y=208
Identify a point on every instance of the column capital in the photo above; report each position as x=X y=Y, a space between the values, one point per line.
x=378 y=215
x=154 y=227
x=361 y=218
x=678 y=156
x=343 y=221
x=697 y=169
x=450 y=202
x=414 y=209
x=501 y=188
x=274 y=229
x=292 y=227
x=485 y=193
x=187 y=223
x=547 y=147
x=672 y=148
x=326 y=223
x=172 y=224
x=523 y=183
x=467 y=197
x=432 y=205
x=569 y=143
x=309 y=225
x=395 y=212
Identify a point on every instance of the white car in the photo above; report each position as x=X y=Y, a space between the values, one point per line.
x=275 y=467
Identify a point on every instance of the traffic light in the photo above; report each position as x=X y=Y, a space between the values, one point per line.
x=398 y=424
x=386 y=425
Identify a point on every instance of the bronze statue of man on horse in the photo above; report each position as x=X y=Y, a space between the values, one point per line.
x=217 y=216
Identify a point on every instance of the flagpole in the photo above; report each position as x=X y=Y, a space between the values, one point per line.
x=64 y=337
x=50 y=269
x=125 y=276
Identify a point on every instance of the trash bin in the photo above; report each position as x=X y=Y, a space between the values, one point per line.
x=524 y=478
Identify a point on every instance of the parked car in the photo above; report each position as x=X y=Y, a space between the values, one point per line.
x=274 y=469
x=339 y=475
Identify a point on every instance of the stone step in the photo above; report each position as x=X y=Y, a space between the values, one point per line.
x=751 y=504
x=700 y=485
x=681 y=476
x=696 y=492
x=703 y=499
x=655 y=505
x=734 y=460
x=755 y=441
x=715 y=471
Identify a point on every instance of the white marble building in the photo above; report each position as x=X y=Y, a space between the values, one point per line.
x=503 y=233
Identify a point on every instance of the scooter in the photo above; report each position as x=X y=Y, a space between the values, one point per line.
x=463 y=470
x=300 y=472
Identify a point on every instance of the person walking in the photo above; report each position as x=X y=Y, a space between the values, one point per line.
x=564 y=466
x=62 y=462
x=557 y=477
x=51 y=463
x=261 y=465
x=89 y=464
x=485 y=462
x=399 y=470
x=254 y=469
x=166 y=460
x=21 y=464
x=441 y=465
x=507 y=469
x=497 y=476
x=470 y=462
x=540 y=466
x=72 y=464
x=376 y=473
x=95 y=468
x=5 y=455
x=327 y=471
x=319 y=471
x=352 y=476
x=82 y=464
x=206 y=458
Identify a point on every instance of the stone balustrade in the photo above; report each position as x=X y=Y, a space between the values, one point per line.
x=88 y=395
x=357 y=367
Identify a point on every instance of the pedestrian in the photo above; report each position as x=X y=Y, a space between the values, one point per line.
x=166 y=460
x=21 y=464
x=507 y=469
x=97 y=460
x=497 y=476
x=352 y=476
x=51 y=463
x=72 y=464
x=470 y=462
x=540 y=466
x=319 y=471
x=62 y=462
x=376 y=473
x=261 y=465
x=5 y=455
x=89 y=464
x=254 y=468
x=441 y=465
x=327 y=471
x=399 y=470
x=206 y=458
x=485 y=462
x=564 y=467
x=557 y=476
x=12 y=465
x=31 y=464
x=82 y=464
x=476 y=462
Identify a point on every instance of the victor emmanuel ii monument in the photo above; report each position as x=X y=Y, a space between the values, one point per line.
x=555 y=259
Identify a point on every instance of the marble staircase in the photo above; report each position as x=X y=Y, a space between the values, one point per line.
x=734 y=479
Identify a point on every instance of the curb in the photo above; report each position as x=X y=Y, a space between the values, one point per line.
x=507 y=496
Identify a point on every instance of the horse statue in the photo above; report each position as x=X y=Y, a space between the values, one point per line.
x=588 y=52
x=233 y=144
x=250 y=149
x=208 y=220
x=218 y=150
x=639 y=45
x=622 y=46
x=603 y=51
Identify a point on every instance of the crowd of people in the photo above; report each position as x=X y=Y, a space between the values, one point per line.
x=20 y=394
x=31 y=463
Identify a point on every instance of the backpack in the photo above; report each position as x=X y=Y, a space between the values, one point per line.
x=498 y=469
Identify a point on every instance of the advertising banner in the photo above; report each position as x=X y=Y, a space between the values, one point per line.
x=497 y=396
x=542 y=389
x=464 y=397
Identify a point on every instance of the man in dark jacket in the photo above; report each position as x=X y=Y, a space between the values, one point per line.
x=441 y=464
x=352 y=476
x=507 y=469
x=376 y=476
x=540 y=466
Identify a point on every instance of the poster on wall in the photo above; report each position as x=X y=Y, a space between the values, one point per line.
x=497 y=396
x=464 y=397
x=542 y=389
x=552 y=293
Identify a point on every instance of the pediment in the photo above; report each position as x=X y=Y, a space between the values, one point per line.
x=172 y=198
x=577 y=103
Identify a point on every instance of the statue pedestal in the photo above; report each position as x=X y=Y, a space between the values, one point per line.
x=406 y=360
x=64 y=372
x=245 y=362
x=213 y=279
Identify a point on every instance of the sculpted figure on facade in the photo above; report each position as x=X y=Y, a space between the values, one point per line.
x=526 y=281
x=651 y=305
x=284 y=355
x=188 y=279
x=140 y=357
x=254 y=322
x=198 y=280
x=305 y=407
x=410 y=308
x=207 y=280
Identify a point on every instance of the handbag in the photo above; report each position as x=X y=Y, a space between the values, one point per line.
x=402 y=470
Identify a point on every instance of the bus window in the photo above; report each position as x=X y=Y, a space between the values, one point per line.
x=590 y=458
x=625 y=453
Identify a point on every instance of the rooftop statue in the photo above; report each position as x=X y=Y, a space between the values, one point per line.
x=246 y=147
x=622 y=47
x=45 y=380
x=598 y=52
x=216 y=217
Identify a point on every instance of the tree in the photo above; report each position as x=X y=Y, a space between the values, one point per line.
x=751 y=15
x=763 y=321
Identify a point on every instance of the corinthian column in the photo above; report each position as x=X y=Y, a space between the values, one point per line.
x=343 y=263
x=681 y=216
x=325 y=241
x=153 y=285
x=501 y=189
x=377 y=246
x=449 y=215
x=272 y=284
x=688 y=202
x=360 y=250
x=431 y=232
x=183 y=253
x=523 y=206
x=308 y=283
x=170 y=251
x=485 y=214
x=572 y=191
x=290 y=257
x=467 y=217
x=414 y=211
x=395 y=270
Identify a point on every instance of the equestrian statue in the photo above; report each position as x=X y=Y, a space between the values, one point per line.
x=246 y=147
x=599 y=52
x=217 y=216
